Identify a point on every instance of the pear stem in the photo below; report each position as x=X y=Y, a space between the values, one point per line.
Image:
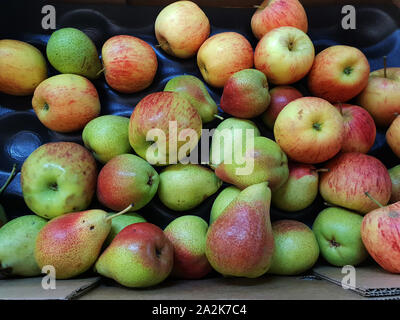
x=100 y=71
x=374 y=200
x=120 y=213
x=384 y=66
x=257 y=6
x=322 y=170
x=9 y=178
x=218 y=117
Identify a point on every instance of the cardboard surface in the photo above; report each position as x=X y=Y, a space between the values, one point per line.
x=31 y=289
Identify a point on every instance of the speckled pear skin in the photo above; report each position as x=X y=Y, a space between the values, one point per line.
x=240 y=242
x=188 y=236
x=71 y=243
x=139 y=256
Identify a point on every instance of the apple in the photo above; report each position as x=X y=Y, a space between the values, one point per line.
x=350 y=175
x=58 y=178
x=181 y=28
x=223 y=54
x=338 y=74
x=359 y=128
x=66 y=102
x=273 y=14
x=126 y=179
x=395 y=177
x=379 y=232
x=280 y=97
x=164 y=113
x=309 y=130
x=381 y=97
x=393 y=136
x=130 y=63
x=285 y=55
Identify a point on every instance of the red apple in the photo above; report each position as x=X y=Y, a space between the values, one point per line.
x=359 y=128
x=273 y=14
x=350 y=176
x=338 y=74
x=393 y=136
x=280 y=97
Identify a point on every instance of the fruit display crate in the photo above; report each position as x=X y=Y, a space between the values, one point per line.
x=377 y=35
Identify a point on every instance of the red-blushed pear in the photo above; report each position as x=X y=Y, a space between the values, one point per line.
x=381 y=97
x=379 y=232
x=352 y=174
x=181 y=28
x=246 y=94
x=58 y=178
x=71 y=243
x=188 y=236
x=338 y=74
x=309 y=130
x=393 y=136
x=280 y=97
x=285 y=55
x=240 y=241
x=395 y=177
x=130 y=63
x=139 y=256
x=223 y=54
x=271 y=14
x=66 y=102
x=166 y=112
x=359 y=128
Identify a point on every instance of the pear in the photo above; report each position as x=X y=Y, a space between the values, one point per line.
x=194 y=90
x=394 y=174
x=240 y=242
x=184 y=186
x=71 y=243
x=265 y=161
x=120 y=222
x=221 y=202
x=17 y=246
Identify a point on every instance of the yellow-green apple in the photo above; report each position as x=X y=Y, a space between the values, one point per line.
x=280 y=97
x=271 y=14
x=139 y=256
x=393 y=136
x=126 y=179
x=359 y=128
x=22 y=67
x=350 y=175
x=395 y=177
x=66 y=102
x=181 y=28
x=223 y=54
x=221 y=202
x=107 y=136
x=159 y=126
x=285 y=55
x=130 y=63
x=381 y=97
x=379 y=232
x=339 y=73
x=338 y=233
x=188 y=236
x=299 y=190
x=309 y=130
x=246 y=94
x=58 y=178
x=296 y=249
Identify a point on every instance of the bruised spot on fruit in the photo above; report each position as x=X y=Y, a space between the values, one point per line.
x=333 y=243
x=91 y=227
x=347 y=70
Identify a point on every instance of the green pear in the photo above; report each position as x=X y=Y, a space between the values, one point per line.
x=230 y=136
x=3 y=216
x=107 y=137
x=296 y=249
x=69 y=50
x=184 y=186
x=17 y=246
x=222 y=200
x=338 y=232
x=300 y=189
x=194 y=90
x=395 y=177
x=240 y=242
x=120 y=222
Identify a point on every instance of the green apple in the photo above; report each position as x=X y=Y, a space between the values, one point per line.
x=221 y=202
x=338 y=232
x=120 y=222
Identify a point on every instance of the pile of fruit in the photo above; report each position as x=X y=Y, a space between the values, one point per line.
x=320 y=146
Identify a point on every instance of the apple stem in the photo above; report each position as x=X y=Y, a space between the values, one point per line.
x=384 y=66
x=218 y=117
x=257 y=6
x=374 y=200
x=120 y=213
x=322 y=170
x=9 y=178
x=328 y=204
x=101 y=71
